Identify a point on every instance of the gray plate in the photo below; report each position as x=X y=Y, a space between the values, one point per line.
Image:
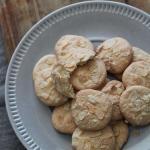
x=97 y=21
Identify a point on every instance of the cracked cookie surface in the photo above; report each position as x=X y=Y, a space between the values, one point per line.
x=135 y=105
x=73 y=50
x=121 y=133
x=92 y=109
x=114 y=89
x=138 y=73
x=44 y=84
x=62 y=81
x=92 y=75
x=62 y=119
x=140 y=55
x=96 y=140
x=116 y=54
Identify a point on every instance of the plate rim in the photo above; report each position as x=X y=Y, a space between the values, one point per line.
x=28 y=142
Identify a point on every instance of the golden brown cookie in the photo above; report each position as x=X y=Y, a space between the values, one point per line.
x=44 y=83
x=121 y=132
x=92 y=75
x=114 y=89
x=93 y=140
x=47 y=61
x=62 y=81
x=140 y=55
x=73 y=50
x=62 y=119
x=92 y=109
x=138 y=73
x=135 y=105
x=116 y=113
x=116 y=54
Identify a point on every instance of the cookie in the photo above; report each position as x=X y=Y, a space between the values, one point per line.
x=73 y=50
x=121 y=133
x=44 y=84
x=135 y=105
x=138 y=73
x=92 y=75
x=47 y=61
x=62 y=119
x=92 y=109
x=96 y=140
x=62 y=81
x=116 y=113
x=114 y=89
x=116 y=54
x=140 y=55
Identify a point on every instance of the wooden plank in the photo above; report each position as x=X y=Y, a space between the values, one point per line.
x=142 y=4
x=17 y=16
x=7 y=30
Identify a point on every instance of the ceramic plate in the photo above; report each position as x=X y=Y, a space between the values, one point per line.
x=96 y=20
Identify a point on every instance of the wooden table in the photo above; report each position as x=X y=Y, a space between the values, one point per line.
x=17 y=16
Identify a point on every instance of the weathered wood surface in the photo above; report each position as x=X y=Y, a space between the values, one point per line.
x=17 y=16
x=142 y=4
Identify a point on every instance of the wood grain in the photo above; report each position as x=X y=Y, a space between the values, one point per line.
x=17 y=16
x=142 y=4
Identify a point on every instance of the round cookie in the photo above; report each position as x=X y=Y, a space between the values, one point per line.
x=121 y=133
x=116 y=54
x=140 y=55
x=73 y=50
x=62 y=81
x=92 y=75
x=44 y=83
x=62 y=119
x=114 y=89
x=92 y=109
x=47 y=61
x=135 y=105
x=93 y=140
x=138 y=73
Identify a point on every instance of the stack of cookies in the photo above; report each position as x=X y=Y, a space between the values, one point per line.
x=87 y=104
